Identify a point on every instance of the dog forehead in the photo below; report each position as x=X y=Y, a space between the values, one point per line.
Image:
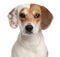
x=20 y=7
x=35 y=6
x=28 y=6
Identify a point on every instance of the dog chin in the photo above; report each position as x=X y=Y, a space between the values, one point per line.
x=27 y=33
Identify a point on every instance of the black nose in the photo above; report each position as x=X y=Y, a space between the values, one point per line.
x=29 y=28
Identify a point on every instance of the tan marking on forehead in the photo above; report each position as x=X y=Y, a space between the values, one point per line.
x=35 y=8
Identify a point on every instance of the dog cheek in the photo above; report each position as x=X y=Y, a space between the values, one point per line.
x=36 y=28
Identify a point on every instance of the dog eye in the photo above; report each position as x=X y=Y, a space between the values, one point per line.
x=22 y=15
x=37 y=15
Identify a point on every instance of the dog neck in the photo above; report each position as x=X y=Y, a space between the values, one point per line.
x=30 y=41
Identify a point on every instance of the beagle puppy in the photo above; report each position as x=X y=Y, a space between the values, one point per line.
x=31 y=19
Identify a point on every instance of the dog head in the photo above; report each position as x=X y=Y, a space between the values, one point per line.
x=30 y=18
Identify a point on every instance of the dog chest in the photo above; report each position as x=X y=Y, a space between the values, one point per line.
x=20 y=51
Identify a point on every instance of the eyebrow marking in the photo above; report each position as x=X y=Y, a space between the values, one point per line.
x=25 y=11
x=33 y=12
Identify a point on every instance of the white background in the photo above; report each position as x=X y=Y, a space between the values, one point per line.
x=8 y=35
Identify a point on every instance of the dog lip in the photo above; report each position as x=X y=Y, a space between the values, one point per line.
x=29 y=32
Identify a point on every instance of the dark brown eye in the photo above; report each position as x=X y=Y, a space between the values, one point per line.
x=37 y=15
x=22 y=15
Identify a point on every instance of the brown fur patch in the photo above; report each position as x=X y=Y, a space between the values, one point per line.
x=46 y=17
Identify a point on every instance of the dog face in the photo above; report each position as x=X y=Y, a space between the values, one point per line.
x=31 y=18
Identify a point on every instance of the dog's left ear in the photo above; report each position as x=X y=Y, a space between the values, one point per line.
x=46 y=17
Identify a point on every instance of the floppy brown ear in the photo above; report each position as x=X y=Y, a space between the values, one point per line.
x=46 y=17
x=13 y=18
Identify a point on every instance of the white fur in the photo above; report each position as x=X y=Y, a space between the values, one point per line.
x=29 y=46
x=23 y=6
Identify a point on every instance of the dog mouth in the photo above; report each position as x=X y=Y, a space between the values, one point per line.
x=29 y=32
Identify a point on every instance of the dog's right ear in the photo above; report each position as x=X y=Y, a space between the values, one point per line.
x=13 y=17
